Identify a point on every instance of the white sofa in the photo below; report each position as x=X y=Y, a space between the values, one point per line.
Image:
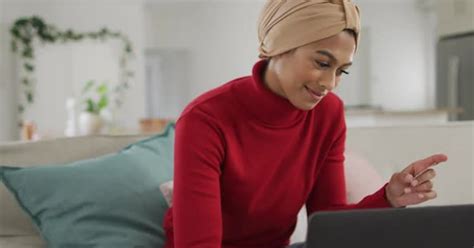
x=389 y=149
x=373 y=154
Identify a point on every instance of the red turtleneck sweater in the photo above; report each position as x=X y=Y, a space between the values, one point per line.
x=246 y=161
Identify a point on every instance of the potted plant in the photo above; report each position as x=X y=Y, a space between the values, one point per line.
x=95 y=99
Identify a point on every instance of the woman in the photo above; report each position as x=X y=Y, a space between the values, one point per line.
x=251 y=153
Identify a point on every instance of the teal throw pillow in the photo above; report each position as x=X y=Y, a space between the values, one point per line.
x=109 y=201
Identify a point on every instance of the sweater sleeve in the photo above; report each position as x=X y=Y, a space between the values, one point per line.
x=329 y=190
x=199 y=152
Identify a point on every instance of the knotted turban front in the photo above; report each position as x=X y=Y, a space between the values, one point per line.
x=287 y=24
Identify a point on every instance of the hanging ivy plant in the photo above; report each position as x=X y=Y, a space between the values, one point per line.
x=26 y=31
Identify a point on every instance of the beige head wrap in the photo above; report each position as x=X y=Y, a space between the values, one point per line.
x=288 y=24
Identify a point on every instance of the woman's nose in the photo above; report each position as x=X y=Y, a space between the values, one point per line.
x=328 y=81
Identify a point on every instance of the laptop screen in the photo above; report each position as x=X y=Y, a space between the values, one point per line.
x=420 y=227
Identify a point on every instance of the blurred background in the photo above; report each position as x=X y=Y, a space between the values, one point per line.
x=414 y=65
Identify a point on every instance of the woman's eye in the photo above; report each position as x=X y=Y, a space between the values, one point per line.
x=322 y=64
x=339 y=73
x=327 y=65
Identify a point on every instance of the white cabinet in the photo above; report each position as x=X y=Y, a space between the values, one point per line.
x=372 y=118
x=455 y=17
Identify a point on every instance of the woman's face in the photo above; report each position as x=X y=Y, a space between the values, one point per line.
x=305 y=75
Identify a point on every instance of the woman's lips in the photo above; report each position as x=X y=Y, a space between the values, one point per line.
x=316 y=95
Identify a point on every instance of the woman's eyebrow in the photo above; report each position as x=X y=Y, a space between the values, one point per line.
x=331 y=56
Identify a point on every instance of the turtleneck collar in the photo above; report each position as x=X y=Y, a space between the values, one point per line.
x=265 y=105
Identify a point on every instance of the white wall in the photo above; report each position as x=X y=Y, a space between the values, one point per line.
x=399 y=72
x=63 y=68
x=7 y=109
x=222 y=38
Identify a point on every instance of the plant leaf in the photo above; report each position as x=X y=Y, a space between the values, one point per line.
x=28 y=52
x=90 y=106
x=29 y=67
x=88 y=86
x=103 y=102
x=102 y=89
x=29 y=97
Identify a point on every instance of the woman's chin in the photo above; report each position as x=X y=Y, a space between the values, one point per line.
x=306 y=105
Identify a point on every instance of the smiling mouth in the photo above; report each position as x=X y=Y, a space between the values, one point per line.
x=315 y=94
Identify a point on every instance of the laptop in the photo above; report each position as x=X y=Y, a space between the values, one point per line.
x=420 y=227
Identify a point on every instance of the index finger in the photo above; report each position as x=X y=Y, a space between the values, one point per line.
x=423 y=164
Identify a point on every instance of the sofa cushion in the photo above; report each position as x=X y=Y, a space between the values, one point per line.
x=109 y=201
x=356 y=171
x=13 y=220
